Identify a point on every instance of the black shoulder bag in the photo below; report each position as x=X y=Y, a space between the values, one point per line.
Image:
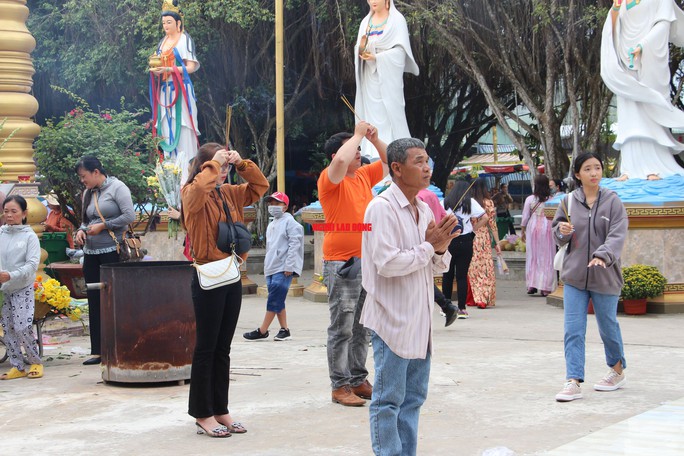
x=232 y=236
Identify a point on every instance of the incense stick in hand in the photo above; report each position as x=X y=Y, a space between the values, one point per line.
x=229 y=115
x=346 y=102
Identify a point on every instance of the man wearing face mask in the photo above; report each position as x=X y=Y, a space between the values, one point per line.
x=284 y=259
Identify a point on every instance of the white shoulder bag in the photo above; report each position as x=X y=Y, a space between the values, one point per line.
x=560 y=255
x=219 y=273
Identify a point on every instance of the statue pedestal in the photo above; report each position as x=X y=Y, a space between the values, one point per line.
x=248 y=285
x=316 y=291
x=656 y=231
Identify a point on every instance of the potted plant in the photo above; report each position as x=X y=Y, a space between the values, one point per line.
x=641 y=282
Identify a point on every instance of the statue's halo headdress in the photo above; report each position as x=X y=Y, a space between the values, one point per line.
x=168 y=7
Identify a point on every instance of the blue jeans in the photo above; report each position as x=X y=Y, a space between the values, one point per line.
x=576 y=303
x=278 y=285
x=399 y=390
x=347 y=338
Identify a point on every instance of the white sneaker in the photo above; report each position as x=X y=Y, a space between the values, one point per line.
x=611 y=382
x=570 y=392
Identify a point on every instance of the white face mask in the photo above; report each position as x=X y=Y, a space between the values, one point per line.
x=275 y=211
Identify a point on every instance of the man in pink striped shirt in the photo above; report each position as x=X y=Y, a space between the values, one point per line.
x=399 y=257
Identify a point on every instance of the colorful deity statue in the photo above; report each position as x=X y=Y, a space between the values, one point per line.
x=174 y=105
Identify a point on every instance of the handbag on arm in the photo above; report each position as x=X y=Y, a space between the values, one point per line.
x=218 y=273
x=130 y=248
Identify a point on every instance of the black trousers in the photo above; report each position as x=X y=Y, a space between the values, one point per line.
x=461 y=249
x=216 y=316
x=91 y=274
x=440 y=299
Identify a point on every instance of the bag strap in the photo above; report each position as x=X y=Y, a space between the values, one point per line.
x=111 y=233
x=233 y=258
x=225 y=205
x=535 y=207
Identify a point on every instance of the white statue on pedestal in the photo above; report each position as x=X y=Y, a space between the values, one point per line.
x=635 y=66
x=382 y=55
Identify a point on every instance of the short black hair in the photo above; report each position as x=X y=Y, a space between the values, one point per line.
x=333 y=144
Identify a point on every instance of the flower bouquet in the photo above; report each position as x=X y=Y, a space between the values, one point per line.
x=53 y=297
x=168 y=179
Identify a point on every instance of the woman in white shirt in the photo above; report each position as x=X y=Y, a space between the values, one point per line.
x=473 y=215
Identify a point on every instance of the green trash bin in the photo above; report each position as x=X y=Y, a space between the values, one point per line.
x=55 y=244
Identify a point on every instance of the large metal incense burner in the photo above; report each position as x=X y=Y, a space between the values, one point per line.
x=656 y=234
x=148 y=323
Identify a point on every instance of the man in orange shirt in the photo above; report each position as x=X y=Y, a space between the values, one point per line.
x=344 y=190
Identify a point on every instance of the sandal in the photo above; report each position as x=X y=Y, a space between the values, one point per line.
x=236 y=428
x=12 y=374
x=36 y=371
x=220 y=431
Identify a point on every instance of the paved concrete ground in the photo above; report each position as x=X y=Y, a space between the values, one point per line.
x=493 y=383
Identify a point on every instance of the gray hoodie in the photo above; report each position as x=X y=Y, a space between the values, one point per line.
x=284 y=246
x=19 y=255
x=600 y=232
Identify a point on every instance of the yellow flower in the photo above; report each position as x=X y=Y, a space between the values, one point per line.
x=56 y=296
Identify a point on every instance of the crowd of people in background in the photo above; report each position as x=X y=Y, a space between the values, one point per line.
x=368 y=275
x=380 y=282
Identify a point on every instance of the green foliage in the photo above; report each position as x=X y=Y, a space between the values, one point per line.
x=642 y=281
x=245 y=13
x=120 y=139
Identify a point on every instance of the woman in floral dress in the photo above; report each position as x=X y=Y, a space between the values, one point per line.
x=481 y=272
x=541 y=248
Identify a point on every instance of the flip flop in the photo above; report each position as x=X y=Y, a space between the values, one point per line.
x=12 y=374
x=36 y=371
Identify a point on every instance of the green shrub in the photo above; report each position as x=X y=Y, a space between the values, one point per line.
x=122 y=140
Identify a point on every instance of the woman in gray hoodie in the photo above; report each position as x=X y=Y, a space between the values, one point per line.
x=595 y=230
x=19 y=259
x=107 y=211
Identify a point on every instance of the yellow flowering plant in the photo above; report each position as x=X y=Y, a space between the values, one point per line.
x=642 y=281
x=57 y=296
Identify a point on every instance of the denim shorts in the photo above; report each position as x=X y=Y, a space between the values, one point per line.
x=278 y=285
